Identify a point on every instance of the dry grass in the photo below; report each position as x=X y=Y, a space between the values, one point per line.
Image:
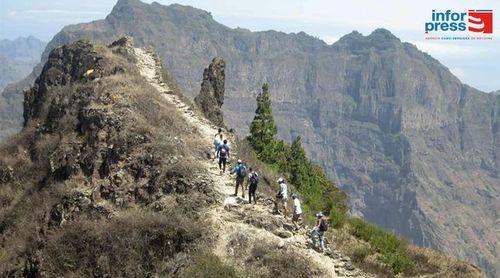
x=427 y=261
x=132 y=144
x=137 y=243
x=271 y=261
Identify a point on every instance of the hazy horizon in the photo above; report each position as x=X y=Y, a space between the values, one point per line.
x=473 y=62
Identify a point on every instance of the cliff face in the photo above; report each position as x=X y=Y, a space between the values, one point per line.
x=211 y=96
x=417 y=151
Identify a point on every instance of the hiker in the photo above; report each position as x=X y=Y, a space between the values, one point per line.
x=223 y=155
x=319 y=231
x=217 y=141
x=241 y=172
x=281 y=197
x=297 y=211
x=253 y=180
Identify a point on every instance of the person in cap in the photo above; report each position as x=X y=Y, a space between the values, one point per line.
x=281 y=197
x=241 y=172
x=318 y=232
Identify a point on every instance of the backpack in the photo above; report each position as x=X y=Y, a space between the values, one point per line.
x=223 y=151
x=323 y=225
x=242 y=171
x=254 y=179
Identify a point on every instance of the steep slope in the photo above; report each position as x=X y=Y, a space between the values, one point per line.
x=109 y=177
x=231 y=218
x=415 y=148
x=97 y=182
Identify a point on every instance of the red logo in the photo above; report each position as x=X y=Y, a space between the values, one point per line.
x=481 y=21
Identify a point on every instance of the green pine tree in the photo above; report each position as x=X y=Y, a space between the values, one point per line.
x=300 y=167
x=263 y=128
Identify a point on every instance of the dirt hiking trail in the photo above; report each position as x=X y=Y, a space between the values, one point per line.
x=236 y=222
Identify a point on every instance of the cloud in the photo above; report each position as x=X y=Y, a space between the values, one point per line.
x=330 y=39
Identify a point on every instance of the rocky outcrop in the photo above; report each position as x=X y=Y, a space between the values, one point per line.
x=211 y=95
x=99 y=148
x=416 y=150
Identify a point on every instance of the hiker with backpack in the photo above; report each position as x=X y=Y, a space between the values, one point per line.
x=217 y=141
x=241 y=172
x=253 y=180
x=319 y=230
x=297 y=211
x=223 y=155
x=281 y=197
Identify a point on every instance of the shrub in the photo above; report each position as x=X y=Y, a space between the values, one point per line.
x=392 y=247
x=210 y=266
x=360 y=253
x=281 y=263
x=337 y=218
x=136 y=243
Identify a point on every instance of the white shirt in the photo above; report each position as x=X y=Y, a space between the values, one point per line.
x=283 y=190
x=296 y=204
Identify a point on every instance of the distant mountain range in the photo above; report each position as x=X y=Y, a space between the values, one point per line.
x=417 y=150
x=18 y=57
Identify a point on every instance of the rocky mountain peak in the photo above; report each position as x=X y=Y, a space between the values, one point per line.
x=380 y=39
x=129 y=3
x=211 y=95
x=128 y=9
x=78 y=62
x=382 y=33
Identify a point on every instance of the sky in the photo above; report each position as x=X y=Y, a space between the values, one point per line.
x=476 y=63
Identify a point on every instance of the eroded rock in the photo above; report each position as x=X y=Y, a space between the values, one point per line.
x=211 y=95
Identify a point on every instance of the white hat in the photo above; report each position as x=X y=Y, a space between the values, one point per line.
x=280 y=180
x=239 y=160
x=319 y=214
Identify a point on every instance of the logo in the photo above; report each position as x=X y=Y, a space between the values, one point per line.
x=473 y=21
x=481 y=21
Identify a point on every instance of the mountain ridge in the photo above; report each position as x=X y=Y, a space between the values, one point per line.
x=110 y=177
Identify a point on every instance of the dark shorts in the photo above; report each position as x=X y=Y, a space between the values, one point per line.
x=239 y=181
